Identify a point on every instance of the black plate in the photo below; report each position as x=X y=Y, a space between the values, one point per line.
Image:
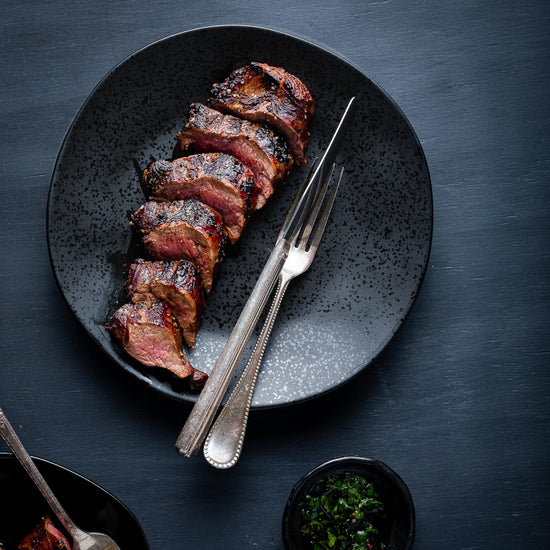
x=338 y=317
x=91 y=507
x=393 y=492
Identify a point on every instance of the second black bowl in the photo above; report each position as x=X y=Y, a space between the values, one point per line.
x=391 y=488
x=89 y=505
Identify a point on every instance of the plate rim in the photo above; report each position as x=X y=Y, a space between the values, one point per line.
x=191 y=398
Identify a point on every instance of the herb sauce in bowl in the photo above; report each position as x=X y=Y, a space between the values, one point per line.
x=351 y=503
x=344 y=510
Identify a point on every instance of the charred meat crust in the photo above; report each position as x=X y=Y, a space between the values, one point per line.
x=183 y=229
x=216 y=179
x=262 y=93
x=262 y=149
x=176 y=283
x=217 y=166
x=153 y=213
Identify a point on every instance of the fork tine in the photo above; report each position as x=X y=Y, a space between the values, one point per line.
x=315 y=209
x=320 y=229
x=298 y=201
x=304 y=207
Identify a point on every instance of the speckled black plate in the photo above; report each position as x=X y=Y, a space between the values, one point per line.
x=335 y=319
x=91 y=507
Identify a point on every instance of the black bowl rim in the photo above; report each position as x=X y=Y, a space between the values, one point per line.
x=353 y=463
x=43 y=462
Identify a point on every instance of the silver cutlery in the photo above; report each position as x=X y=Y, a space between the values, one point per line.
x=82 y=540
x=201 y=416
x=223 y=444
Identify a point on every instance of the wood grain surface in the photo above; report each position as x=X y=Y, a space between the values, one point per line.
x=458 y=404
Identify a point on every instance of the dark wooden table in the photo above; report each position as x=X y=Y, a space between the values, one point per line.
x=458 y=403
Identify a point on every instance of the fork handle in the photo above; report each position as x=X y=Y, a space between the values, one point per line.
x=224 y=443
x=200 y=419
x=14 y=443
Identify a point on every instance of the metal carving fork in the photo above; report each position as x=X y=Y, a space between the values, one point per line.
x=224 y=443
x=200 y=419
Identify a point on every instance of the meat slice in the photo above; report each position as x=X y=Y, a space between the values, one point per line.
x=216 y=179
x=45 y=536
x=261 y=148
x=150 y=334
x=183 y=229
x=176 y=283
x=263 y=93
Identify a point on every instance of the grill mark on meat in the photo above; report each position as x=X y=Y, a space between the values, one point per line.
x=150 y=334
x=176 y=283
x=183 y=229
x=263 y=150
x=262 y=93
x=216 y=179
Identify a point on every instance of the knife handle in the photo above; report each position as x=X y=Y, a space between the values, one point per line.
x=200 y=419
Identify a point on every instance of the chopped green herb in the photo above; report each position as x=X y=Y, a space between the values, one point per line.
x=343 y=512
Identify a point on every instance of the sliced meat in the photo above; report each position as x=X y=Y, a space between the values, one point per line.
x=176 y=283
x=263 y=93
x=45 y=536
x=262 y=149
x=216 y=179
x=150 y=334
x=184 y=229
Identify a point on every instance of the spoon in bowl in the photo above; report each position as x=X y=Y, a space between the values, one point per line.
x=82 y=540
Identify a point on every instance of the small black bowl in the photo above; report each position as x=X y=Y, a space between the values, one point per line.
x=392 y=490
